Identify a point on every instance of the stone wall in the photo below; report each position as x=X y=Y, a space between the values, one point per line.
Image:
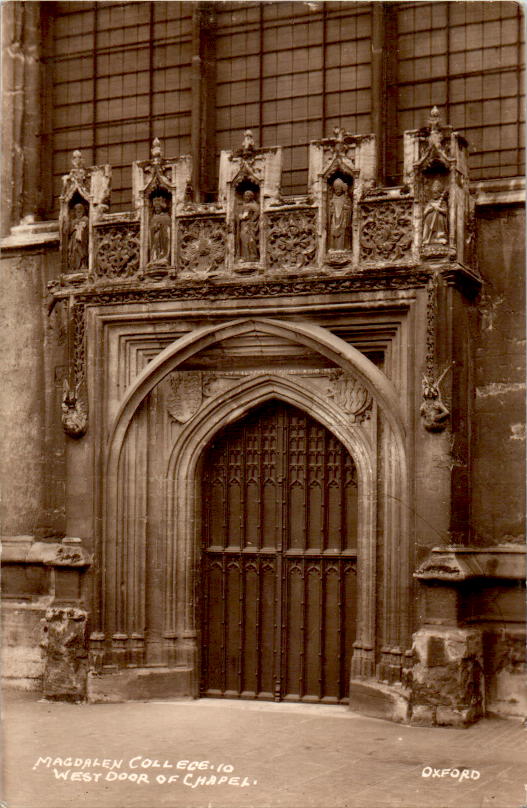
x=498 y=501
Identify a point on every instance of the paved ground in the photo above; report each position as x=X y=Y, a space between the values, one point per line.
x=293 y=756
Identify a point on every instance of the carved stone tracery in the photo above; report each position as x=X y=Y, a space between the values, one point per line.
x=201 y=246
x=291 y=239
x=117 y=251
x=387 y=230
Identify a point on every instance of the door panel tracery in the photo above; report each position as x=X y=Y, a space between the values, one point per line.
x=278 y=559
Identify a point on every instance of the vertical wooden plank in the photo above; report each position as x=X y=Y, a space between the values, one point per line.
x=250 y=630
x=349 y=623
x=267 y=647
x=293 y=632
x=312 y=632
x=331 y=639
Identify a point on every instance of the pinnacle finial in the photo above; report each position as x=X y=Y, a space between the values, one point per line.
x=248 y=140
x=156 y=149
x=76 y=159
x=434 y=117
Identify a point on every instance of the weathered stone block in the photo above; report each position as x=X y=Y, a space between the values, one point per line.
x=447 y=717
x=65 y=654
x=447 y=676
x=505 y=670
x=423 y=715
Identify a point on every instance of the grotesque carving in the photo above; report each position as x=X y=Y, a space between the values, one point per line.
x=248 y=227
x=339 y=216
x=435 y=215
x=202 y=245
x=386 y=231
x=117 y=252
x=78 y=238
x=433 y=411
x=291 y=239
x=159 y=231
x=74 y=412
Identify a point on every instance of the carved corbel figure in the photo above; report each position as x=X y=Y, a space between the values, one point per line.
x=433 y=411
x=74 y=412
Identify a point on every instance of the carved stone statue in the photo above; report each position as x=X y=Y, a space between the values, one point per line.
x=248 y=221
x=78 y=239
x=340 y=209
x=159 y=232
x=435 y=216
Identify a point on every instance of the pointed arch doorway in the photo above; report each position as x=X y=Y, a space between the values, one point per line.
x=278 y=559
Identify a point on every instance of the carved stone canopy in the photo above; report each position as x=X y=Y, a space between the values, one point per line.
x=345 y=224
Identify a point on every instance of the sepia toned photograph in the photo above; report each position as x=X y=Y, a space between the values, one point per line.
x=262 y=404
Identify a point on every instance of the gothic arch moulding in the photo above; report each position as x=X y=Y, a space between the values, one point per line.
x=117 y=620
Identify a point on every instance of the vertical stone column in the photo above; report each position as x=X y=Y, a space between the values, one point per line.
x=21 y=112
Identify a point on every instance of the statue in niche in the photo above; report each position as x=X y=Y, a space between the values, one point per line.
x=435 y=215
x=78 y=239
x=248 y=226
x=340 y=210
x=159 y=232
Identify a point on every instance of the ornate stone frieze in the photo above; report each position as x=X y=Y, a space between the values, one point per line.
x=201 y=246
x=346 y=223
x=386 y=231
x=117 y=251
x=291 y=239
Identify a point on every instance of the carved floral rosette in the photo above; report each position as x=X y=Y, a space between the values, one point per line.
x=117 y=251
x=291 y=239
x=386 y=232
x=201 y=246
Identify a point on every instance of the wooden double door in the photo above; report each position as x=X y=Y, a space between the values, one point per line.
x=278 y=578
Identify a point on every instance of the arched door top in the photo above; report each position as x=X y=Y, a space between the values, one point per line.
x=312 y=336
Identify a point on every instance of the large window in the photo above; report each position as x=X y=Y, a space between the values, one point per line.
x=291 y=71
x=121 y=76
x=466 y=58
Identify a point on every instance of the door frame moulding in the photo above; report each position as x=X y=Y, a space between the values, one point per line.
x=185 y=464
x=183 y=534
